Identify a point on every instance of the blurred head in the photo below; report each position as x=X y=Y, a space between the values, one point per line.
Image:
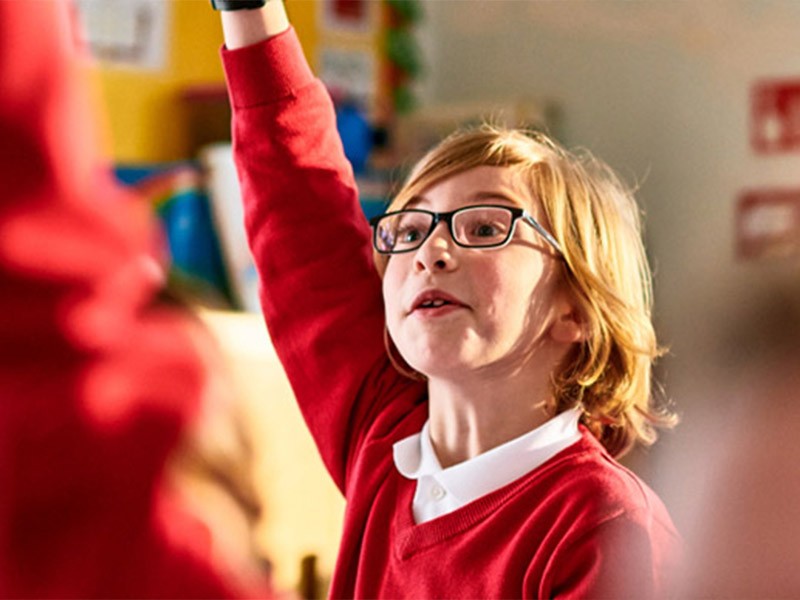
x=602 y=269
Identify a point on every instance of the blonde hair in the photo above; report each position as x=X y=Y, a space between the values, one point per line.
x=595 y=219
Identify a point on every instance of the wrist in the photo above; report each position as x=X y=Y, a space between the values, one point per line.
x=229 y=5
x=248 y=27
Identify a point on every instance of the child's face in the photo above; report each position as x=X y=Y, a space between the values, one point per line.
x=501 y=303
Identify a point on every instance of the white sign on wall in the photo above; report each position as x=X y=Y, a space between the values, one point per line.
x=131 y=33
x=350 y=74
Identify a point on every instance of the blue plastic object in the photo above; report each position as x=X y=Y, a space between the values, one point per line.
x=356 y=133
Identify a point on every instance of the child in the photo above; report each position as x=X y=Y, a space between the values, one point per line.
x=469 y=410
x=99 y=377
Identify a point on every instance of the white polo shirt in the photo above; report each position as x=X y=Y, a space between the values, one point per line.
x=440 y=491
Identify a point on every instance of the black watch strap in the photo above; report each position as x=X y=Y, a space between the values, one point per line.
x=237 y=4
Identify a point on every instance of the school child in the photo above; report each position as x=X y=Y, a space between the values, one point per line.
x=468 y=385
x=99 y=378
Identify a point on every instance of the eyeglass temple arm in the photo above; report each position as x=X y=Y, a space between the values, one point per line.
x=543 y=232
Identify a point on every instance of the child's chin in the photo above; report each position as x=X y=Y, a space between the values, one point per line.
x=437 y=368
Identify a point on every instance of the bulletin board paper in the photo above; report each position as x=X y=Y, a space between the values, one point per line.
x=130 y=33
x=350 y=73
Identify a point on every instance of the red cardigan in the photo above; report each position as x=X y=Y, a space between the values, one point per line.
x=96 y=380
x=579 y=526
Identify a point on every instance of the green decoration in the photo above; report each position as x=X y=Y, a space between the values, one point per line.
x=402 y=51
x=409 y=10
x=404 y=99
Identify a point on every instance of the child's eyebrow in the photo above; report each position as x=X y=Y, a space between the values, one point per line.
x=475 y=198
x=414 y=201
x=494 y=195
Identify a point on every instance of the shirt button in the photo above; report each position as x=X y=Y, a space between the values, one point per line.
x=438 y=492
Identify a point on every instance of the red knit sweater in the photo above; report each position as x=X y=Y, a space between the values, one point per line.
x=96 y=380
x=579 y=526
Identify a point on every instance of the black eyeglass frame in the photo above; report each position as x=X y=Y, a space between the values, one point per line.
x=447 y=217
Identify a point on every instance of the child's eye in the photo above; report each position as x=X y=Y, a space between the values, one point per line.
x=408 y=235
x=487 y=230
x=482 y=227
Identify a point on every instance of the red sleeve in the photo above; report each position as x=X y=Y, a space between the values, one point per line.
x=96 y=383
x=629 y=556
x=321 y=295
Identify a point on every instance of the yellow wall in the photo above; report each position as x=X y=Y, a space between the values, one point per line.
x=145 y=115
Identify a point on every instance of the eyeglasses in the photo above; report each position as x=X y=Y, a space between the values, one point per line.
x=483 y=226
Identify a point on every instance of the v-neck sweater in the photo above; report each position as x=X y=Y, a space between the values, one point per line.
x=580 y=525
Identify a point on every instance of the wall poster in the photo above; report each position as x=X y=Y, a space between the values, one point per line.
x=775 y=116
x=768 y=223
x=129 y=33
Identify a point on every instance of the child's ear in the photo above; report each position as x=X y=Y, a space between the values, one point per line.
x=569 y=327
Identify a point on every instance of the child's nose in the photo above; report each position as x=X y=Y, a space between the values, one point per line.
x=436 y=253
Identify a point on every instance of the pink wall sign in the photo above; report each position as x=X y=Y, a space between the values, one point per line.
x=768 y=223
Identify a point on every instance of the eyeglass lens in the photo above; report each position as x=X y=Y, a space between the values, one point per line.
x=474 y=227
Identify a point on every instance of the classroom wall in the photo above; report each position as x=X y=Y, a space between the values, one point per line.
x=147 y=119
x=661 y=91
x=144 y=110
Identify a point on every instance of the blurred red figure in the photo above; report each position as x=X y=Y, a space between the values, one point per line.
x=98 y=379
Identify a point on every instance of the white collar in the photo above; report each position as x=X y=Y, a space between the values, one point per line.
x=460 y=484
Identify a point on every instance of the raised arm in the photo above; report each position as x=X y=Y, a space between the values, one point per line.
x=320 y=293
